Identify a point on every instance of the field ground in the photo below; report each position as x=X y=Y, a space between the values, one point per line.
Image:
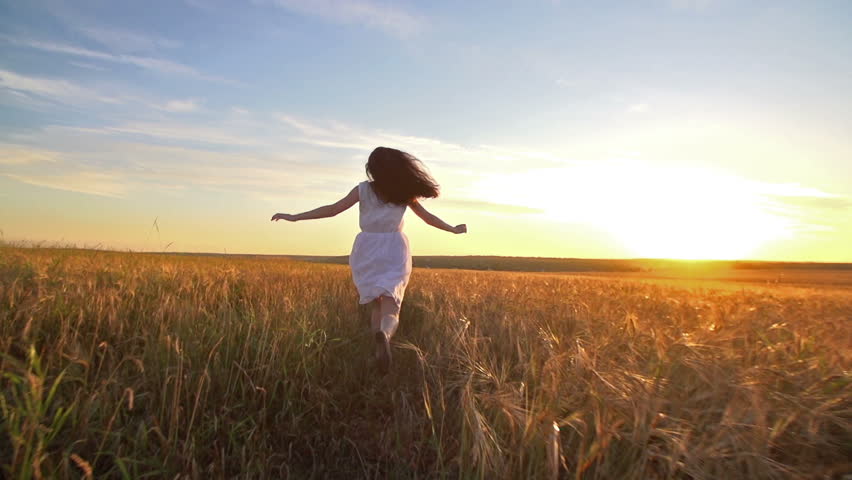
x=134 y=365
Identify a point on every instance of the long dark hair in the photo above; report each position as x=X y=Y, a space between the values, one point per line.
x=398 y=177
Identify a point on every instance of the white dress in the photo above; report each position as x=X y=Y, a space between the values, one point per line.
x=380 y=258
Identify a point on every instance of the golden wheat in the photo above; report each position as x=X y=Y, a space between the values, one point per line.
x=127 y=365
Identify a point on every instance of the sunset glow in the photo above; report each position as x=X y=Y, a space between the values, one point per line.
x=564 y=129
x=655 y=212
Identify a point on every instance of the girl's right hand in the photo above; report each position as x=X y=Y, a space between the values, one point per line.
x=283 y=216
x=460 y=228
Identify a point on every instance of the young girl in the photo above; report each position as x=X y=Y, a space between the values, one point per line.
x=380 y=258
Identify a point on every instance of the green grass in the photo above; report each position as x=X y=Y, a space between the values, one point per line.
x=135 y=366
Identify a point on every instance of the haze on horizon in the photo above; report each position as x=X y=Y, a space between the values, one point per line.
x=660 y=128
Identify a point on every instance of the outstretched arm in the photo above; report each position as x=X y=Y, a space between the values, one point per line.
x=435 y=221
x=322 y=212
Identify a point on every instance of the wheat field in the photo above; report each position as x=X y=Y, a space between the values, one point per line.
x=127 y=365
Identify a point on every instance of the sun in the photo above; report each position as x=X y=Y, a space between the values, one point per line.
x=689 y=214
x=690 y=225
x=657 y=212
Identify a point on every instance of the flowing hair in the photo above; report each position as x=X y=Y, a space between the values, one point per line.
x=398 y=177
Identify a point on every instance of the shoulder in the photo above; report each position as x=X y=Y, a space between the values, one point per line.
x=358 y=191
x=416 y=206
x=365 y=187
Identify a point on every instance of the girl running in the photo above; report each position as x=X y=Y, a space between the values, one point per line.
x=381 y=258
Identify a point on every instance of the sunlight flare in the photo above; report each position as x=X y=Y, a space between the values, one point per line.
x=656 y=212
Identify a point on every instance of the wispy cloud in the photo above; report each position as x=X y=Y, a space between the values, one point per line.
x=56 y=89
x=384 y=16
x=435 y=151
x=148 y=63
x=816 y=208
x=181 y=106
x=244 y=171
x=11 y=154
x=127 y=41
x=88 y=66
x=108 y=167
x=307 y=128
x=174 y=131
x=93 y=183
x=42 y=92
x=110 y=36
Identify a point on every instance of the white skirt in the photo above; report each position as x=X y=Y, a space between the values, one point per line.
x=381 y=265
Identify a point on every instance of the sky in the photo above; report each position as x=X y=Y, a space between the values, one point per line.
x=610 y=129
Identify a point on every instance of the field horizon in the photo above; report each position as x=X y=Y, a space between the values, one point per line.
x=696 y=273
x=498 y=262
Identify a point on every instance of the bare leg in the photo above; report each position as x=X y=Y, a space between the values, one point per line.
x=389 y=320
x=389 y=316
x=376 y=315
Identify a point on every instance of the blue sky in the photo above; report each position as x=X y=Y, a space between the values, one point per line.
x=209 y=116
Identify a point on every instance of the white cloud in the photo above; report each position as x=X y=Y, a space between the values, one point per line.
x=306 y=127
x=88 y=66
x=30 y=88
x=113 y=38
x=148 y=63
x=61 y=90
x=383 y=16
x=94 y=183
x=11 y=154
x=127 y=41
x=181 y=106
x=103 y=166
x=818 y=207
x=264 y=170
x=174 y=131
x=435 y=151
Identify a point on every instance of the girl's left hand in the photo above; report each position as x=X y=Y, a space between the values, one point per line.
x=283 y=216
